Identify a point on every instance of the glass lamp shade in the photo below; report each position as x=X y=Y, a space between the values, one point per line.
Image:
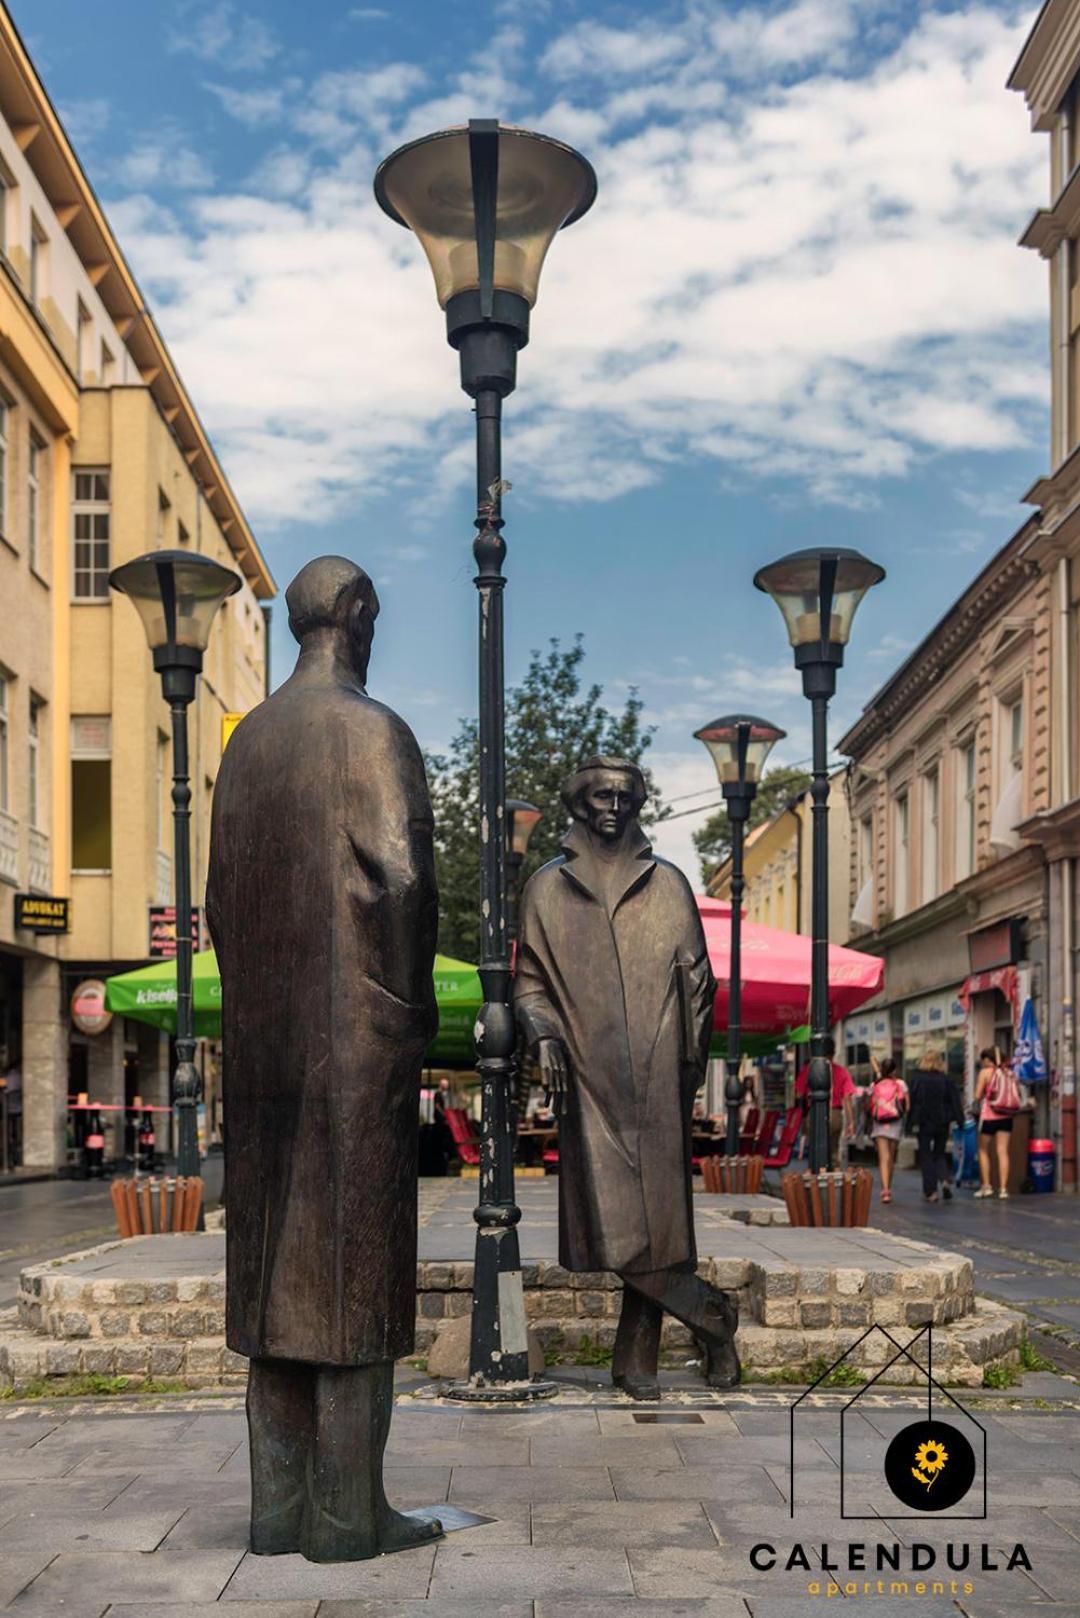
x=722 y=738
x=798 y=582
x=522 y=820
x=176 y=594
x=542 y=186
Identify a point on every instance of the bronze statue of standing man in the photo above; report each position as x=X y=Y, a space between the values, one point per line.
x=322 y=904
x=613 y=993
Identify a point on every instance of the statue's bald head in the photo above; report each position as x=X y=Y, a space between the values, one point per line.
x=333 y=597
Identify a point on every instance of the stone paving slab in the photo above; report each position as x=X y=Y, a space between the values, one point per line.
x=666 y=1532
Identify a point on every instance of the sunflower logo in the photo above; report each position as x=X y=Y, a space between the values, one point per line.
x=931 y=1458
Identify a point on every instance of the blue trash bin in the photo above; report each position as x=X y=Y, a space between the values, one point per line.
x=1041 y=1165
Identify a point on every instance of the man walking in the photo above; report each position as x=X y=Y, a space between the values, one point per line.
x=614 y=996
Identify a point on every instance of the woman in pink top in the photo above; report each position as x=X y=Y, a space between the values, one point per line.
x=995 y=1128
x=888 y=1104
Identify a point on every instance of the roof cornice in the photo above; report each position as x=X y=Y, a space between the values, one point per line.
x=994 y=588
x=25 y=104
x=1048 y=62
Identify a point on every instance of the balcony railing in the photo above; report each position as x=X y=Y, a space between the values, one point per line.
x=164 y=879
x=40 y=873
x=9 y=848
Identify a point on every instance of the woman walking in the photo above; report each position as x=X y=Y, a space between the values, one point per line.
x=998 y=1098
x=889 y=1101
x=935 y=1106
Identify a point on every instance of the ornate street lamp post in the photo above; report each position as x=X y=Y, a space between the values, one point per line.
x=486 y=202
x=739 y=745
x=522 y=820
x=177 y=594
x=818 y=591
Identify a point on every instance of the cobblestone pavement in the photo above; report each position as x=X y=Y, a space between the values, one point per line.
x=139 y=1509
x=40 y=1219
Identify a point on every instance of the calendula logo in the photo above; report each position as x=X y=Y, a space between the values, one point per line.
x=930 y=1465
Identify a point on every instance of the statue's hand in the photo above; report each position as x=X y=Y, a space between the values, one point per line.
x=554 y=1073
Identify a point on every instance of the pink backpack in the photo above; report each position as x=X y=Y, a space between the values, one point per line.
x=885 y=1103
x=1003 y=1092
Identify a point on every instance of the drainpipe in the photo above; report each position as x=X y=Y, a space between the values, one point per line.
x=793 y=809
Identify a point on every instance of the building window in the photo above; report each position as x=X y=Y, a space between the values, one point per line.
x=900 y=876
x=34 y=464
x=1016 y=737
x=108 y=366
x=91 y=530
x=84 y=336
x=91 y=793
x=931 y=834
x=965 y=812
x=5 y=763
x=4 y=414
x=163 y=509
x=34 y=763
x=39 y=248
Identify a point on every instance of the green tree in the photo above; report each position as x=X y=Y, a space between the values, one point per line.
x=777 y=788
x=552 y=723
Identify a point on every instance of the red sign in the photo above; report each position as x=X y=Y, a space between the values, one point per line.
x=88 y=1011
x=999 y=945
x=163 y=932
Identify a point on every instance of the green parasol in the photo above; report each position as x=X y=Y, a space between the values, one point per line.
x=149 y=995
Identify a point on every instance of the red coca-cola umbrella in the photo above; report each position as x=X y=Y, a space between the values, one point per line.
x=776 y=973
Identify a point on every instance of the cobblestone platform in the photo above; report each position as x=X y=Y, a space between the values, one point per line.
x=154 y=1306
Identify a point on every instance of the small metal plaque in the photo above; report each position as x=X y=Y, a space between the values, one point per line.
x=451 y=1517
x=682 y=1418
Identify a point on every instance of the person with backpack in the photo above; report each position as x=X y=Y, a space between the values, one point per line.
x=935 y=1107
x=889 y=1101
x=997 y=1095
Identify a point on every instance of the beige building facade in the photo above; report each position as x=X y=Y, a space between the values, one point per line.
x=949 y=759
x=102 y=457
x=1048 y=75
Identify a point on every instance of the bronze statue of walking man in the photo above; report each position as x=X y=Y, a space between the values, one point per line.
x=322 y=904
x=613 y=993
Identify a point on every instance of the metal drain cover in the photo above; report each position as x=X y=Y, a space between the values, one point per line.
x=654 y=1418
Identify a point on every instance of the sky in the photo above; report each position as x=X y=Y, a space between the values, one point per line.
x=796 y=315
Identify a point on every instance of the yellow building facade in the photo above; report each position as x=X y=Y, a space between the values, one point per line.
x=102 y=457
x=778 y=866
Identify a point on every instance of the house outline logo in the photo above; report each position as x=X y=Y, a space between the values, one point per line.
x=903 y=1351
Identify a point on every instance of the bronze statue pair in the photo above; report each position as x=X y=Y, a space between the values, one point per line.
x=322 y=903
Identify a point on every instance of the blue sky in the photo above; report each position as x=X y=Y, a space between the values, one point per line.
x=796 y=314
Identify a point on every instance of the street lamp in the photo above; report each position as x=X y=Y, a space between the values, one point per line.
x=522 y=820
x=818 y=591
x=176 y=594
x=739 y=745
x=486 y=201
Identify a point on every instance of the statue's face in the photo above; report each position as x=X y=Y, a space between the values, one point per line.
x=609 y=804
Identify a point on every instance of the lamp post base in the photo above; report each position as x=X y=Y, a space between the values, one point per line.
x=476 y=1391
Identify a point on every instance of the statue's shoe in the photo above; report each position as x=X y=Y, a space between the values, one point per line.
x=645 y=1388
x=398 y=1532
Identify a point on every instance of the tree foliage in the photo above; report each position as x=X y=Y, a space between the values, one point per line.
x=553 y=722
x=777 y=788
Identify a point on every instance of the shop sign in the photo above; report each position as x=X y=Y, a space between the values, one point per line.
x=999 y=945
x=229 y=722
x=162 y=940
x=88 y=1010
x=38 y=913
x=914 y=1018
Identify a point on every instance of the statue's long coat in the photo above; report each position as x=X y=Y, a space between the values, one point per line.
x=607 y=986
x=322 y=905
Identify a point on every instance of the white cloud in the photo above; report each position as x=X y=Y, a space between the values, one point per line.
x=252 y=108
x=817 y=283
x=85 y=119
x=589 y=49
x=221 y=33
x=162 y=160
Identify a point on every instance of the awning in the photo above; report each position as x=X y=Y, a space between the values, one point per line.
x=1004 y=978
